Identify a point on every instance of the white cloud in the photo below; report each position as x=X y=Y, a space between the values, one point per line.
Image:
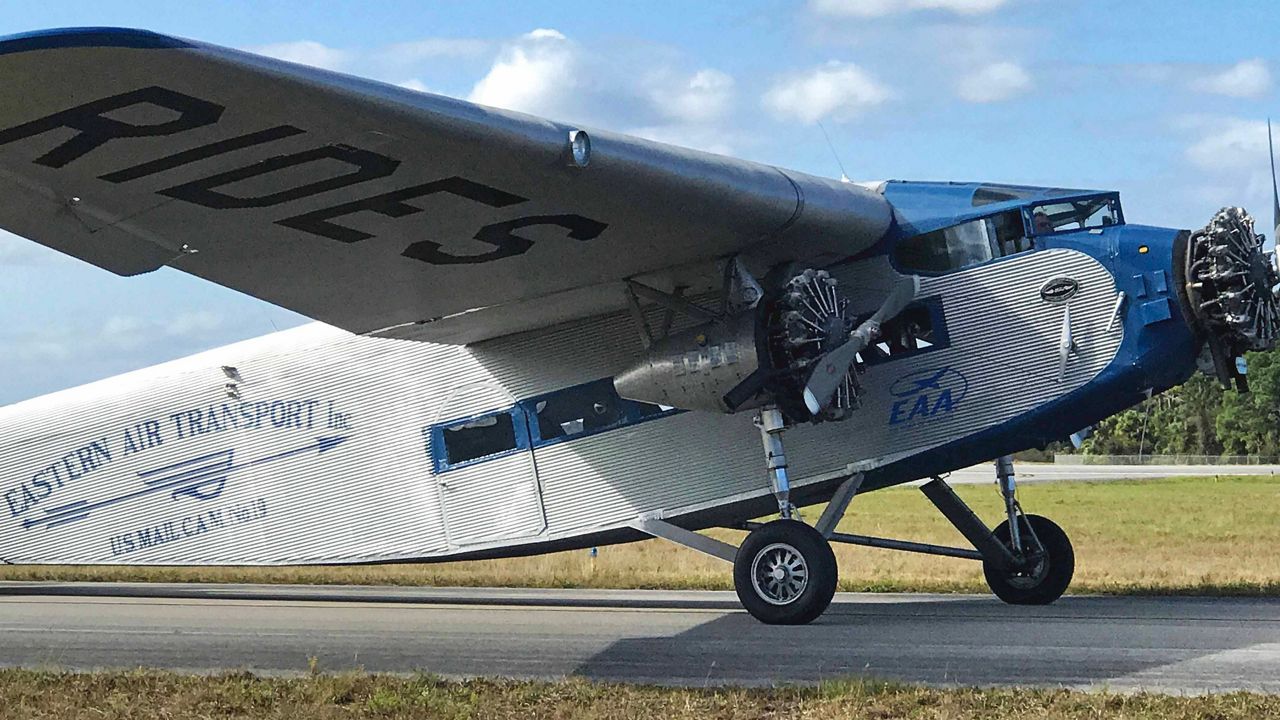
x=545 y=34
x=193 y=324
x=534 y=75
x=1246 y=79
x=1227 y=145
x=36 y=347
x=124 y=332
x=837 y=90
x=994 y=83
x=879 y=8
x=306 y=52
x=705 y=96
x=414 y=84
x=707 y=138
x=643 y=88
x=415 y=51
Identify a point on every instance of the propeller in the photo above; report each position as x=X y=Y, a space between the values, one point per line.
x=1275 y=191
x=832 y=367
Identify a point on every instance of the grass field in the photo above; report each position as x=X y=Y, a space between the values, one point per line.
x=31 y=695
x=1183 y=536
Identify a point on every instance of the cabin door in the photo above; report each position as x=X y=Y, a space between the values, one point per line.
x=484 y=468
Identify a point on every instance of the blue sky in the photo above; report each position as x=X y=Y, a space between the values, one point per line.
x=1165 y=102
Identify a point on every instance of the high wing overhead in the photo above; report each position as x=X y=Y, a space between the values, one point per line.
x=365 y=205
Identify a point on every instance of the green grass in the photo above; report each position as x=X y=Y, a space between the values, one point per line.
x=1178 y=536
x=30 y=695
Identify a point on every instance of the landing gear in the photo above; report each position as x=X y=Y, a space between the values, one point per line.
x=785 y=573
x=1044 y=559
x=1050 y=563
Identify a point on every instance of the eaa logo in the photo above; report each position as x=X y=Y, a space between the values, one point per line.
x=926 y=394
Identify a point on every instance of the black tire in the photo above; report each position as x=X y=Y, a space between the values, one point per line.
x=1048 y=578
x=790 y=546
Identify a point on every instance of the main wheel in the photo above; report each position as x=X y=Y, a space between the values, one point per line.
x=1049 y=573
x=785 y=573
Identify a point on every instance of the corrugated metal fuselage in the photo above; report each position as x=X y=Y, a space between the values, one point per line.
x=313 y=445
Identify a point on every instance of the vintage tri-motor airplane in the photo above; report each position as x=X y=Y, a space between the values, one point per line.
x=538 y=337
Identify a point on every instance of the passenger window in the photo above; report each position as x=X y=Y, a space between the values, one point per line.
x=479 y=438
x=584 y=409
x=964 y=245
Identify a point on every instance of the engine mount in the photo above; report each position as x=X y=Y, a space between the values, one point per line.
x=758 y=356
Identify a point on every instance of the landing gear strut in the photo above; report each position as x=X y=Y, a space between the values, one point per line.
x=1045 y=560
x=785 y=572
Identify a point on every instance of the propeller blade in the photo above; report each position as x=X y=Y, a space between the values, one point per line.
x=833 y=366
x=830 y=372
x=1275 y=191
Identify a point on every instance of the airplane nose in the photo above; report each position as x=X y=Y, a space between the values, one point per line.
x=1230 y=286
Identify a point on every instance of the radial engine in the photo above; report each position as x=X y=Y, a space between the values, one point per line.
x=1231 y=286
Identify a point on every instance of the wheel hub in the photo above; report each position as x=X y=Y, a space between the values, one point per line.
x=1031 y=574
x=779 y=574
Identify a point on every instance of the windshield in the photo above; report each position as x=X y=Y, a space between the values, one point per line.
x=964 y=245
x=1082 y=214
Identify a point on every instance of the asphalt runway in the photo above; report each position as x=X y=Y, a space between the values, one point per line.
x=686 y=638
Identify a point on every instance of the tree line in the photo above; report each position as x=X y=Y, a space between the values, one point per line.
x=1200 y=418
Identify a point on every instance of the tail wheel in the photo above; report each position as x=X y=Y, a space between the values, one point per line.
x=1052 y=563
x=785 y=573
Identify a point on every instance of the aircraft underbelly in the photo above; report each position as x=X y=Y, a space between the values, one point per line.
x=311 y=445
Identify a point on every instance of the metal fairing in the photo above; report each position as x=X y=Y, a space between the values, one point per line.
x=315 y=452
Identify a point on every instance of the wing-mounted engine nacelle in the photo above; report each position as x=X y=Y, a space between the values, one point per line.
x=758 y=356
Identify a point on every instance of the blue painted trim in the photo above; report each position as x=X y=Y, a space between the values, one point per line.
x=440 y=454
x=1156 y=356
x=525 y=420
x=89 y=37
x=633 y=413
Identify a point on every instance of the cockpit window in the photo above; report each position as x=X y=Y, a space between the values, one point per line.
x=1075 y=215
x=963 y=245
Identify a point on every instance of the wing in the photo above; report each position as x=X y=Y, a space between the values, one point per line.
x=369 y=206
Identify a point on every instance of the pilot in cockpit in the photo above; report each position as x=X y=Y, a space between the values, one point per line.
x=1042 y=222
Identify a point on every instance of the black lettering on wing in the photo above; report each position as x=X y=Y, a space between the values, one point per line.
x=393 y=204
x=186 y=157
x=502 y=237
x=368 y=166
x=97 y=130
